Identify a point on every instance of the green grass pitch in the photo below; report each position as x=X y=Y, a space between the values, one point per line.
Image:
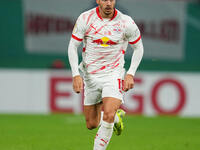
x=68 y=132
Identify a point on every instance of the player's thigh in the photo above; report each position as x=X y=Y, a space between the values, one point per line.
x=110 y=105
x=92 y=112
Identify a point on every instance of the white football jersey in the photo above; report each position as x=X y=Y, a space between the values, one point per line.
x=104 y=40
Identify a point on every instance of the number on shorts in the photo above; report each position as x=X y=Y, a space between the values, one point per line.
x=121 y=85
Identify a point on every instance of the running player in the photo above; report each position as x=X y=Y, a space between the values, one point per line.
x=105 y=33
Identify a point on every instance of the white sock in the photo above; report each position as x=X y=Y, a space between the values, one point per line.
x=116 y=120
x=103 y=136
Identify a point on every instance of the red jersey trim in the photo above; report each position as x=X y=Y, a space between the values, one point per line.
x=76 y=38
x=98 y=14
x=135 y=40
x=115 y=14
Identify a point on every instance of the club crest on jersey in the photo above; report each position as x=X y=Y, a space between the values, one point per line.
x=104 y=41
x=118 y=30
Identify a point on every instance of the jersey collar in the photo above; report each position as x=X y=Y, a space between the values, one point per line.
x=98 y=14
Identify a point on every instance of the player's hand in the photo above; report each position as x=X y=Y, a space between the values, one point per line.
x=77 y=84
x=128 y=82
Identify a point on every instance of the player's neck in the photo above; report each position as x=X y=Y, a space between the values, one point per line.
x=103 y=15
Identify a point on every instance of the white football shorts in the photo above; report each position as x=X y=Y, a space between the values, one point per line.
x=98 y=87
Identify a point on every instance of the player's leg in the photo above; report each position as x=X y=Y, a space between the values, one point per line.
x=92 y=103
x=114 y=88
x=92 y=115
x=116 y=119
x=111 y=105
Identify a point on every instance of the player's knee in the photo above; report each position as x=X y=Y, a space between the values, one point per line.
x=91 y=124
x=109 y=116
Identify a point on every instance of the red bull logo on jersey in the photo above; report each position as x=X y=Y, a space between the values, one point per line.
x=105 y=42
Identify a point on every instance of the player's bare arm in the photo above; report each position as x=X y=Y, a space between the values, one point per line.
x=77 y=83
x=128 y=82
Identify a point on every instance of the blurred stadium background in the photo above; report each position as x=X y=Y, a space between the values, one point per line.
x=35 y=76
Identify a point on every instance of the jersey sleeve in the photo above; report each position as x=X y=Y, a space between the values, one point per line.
x=132 y=32
x=79 y=29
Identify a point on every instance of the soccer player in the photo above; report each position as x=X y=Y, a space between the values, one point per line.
x=105 y=33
